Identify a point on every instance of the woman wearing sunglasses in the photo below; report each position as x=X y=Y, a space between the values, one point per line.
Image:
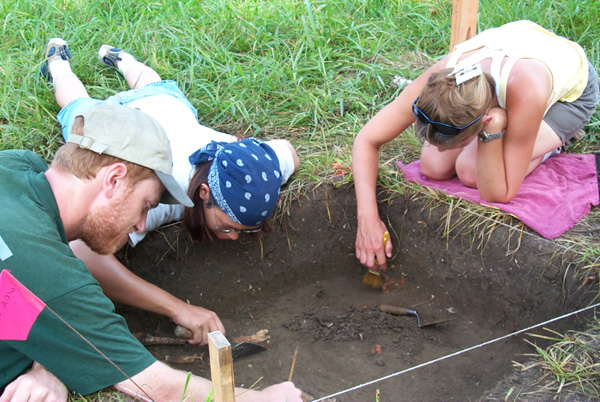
x=489 y=112
x=234 y=185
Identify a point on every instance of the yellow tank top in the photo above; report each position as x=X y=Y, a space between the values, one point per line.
x=565 y=59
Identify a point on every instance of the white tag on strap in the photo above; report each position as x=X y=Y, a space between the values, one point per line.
x=465 y=73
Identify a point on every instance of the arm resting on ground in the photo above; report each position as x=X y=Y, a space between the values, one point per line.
x=123 y=286
x=163 y=383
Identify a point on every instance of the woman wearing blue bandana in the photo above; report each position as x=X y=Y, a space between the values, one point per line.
x=235 y=185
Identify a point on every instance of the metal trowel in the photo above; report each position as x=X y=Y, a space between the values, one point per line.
x=239 y=350
x=245 y=349
x=395 y=310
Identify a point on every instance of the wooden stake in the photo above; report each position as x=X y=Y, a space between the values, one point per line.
x=221 y=367
x=464 y=21
x=293 y=364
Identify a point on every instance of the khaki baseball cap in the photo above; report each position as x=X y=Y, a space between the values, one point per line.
x=133 y=136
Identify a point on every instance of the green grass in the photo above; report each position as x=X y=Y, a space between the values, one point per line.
x=313 y=72
x=570 y=366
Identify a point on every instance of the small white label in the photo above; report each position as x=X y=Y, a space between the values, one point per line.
x=219 y=339
x=4 y=250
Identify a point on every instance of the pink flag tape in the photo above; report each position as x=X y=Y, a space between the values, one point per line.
x=19 y=308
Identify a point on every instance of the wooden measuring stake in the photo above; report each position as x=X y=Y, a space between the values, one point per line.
x=293 y=364
x=221 y=367
x=464 y=21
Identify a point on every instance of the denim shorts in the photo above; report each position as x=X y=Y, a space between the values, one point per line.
x=167 y=87
x=567 y=119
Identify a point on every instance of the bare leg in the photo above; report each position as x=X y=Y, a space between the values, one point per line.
x=136 y=74
x=67 y=88
x=436 y=164
x=57 y=69
x=547 y=140
x=466 y=164
x=139 y=75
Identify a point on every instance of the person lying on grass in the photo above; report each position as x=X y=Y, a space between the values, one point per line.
x=490 y=112
x=114 y=168
x=235 y=185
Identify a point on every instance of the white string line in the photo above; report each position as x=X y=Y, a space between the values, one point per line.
x=495 y=221
x=456 y=353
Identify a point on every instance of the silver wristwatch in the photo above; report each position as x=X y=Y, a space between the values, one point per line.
x=487 y=137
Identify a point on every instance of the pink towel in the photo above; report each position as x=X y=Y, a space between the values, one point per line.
x=553 y=198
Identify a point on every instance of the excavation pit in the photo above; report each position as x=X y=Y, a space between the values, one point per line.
x=303 y=284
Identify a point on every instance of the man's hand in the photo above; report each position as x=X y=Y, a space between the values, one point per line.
x=163 y=383
x=283 y=392
x=36 y=385
x=198 y=320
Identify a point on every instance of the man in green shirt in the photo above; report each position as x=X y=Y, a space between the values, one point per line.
x=101 y=184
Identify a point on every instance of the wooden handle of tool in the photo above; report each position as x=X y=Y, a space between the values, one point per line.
x=182 y=332
x=395 y=310
x=386 y=236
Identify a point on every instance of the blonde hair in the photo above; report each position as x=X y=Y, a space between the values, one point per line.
x=442 y=100
x=85 y=164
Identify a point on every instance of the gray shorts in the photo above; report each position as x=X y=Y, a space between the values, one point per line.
x=567 y=119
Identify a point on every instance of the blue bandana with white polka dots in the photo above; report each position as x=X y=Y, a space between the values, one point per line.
x=245 y=178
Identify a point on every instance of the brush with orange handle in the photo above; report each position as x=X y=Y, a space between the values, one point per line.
x=373 y=278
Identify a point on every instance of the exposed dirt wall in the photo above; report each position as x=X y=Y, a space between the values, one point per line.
x=303 y=283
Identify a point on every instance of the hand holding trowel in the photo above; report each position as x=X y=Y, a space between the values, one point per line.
x=242 y=347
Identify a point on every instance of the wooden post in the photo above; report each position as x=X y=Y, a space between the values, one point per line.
x=464 y=21
x=221 y=367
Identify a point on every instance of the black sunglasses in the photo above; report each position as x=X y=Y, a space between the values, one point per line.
x=442 y=128
x=255 y=230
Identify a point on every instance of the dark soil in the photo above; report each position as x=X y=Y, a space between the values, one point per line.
x=303 y=283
